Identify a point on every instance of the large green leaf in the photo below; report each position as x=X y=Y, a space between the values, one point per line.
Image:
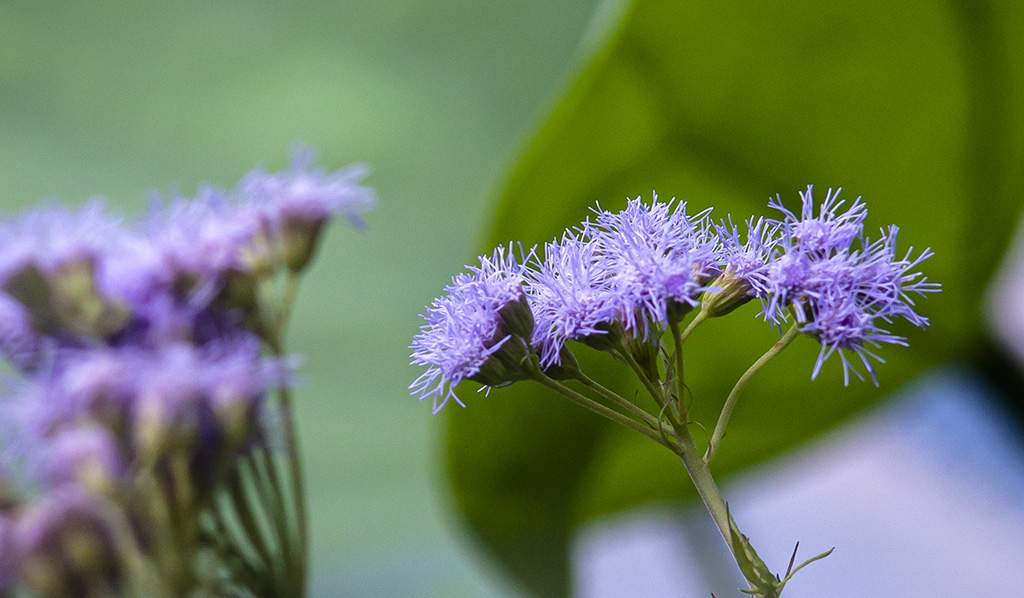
x=915 y=106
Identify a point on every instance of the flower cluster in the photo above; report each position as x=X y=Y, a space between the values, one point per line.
x=635 y=273
x=145 y=355
x=841 y=287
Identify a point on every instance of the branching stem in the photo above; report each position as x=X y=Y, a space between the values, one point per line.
x=737 y=390
x=600 y=409
x=618 y=400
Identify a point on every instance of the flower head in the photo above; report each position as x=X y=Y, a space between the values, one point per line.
x=20 y=344
x=843 y=289
x=85 y=455
x=829 y=231
x=309 y=193
x=52 y=238
x=482 y=315
x=744 y=266
x=659 y=259
x=64 y=540
x=199 y=239
x=294 y=205
x=570 y=295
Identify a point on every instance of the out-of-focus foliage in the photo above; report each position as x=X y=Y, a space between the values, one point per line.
x=916 y=106
x=117 y=99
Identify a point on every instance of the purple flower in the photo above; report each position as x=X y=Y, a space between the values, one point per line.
x=206 y=400
x=52 y=238
x=268 y=220
x=201 y=239
x=744 y=266
x=141 y=378
x=825 y=233
x=843 y=289
x=9 y=556
x=748 y=259
x=307 y=193
x=570 y=295
x=294 y=205
x=481 y=313
x=87 y=455
x=659 y=259
x=64 y=539
x=20 y=344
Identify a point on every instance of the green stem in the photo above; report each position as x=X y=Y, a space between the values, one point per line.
x=680 y=383
x=707 y=489
x=244 y=511
x=284 y=308
x=618 y=400
x=697 y=319
x=298 y=491
x=655 y=391
x=600 y=409
x=293 y=450
x=737 y=390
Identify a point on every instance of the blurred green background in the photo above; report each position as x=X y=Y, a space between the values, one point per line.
x=119 y=99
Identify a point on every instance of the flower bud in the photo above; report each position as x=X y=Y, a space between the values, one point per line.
x=165 y=423
x=87 y=456
x=677 y=310
x=67 y=301
x=734 y=291
x=63 y=541
x=235 y=413
x=79 y=305
x=508 y=363
x=299 y=239
x=565 y=368
x=611 y=339
x=517 y=318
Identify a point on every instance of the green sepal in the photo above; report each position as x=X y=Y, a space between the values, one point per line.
x=67 y=301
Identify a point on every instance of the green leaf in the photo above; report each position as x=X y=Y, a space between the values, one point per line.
x=915 y=106
x=757 y=573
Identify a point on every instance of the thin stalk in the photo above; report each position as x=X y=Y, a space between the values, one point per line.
x=655 y=391
x=294 y=454
x=680 y=383
x=618 y=400
x=244 y=512
x=697 y=319
x=600 y=409
x=737 y=390
x=262 y=465
x=284 y=309
x=298 y=490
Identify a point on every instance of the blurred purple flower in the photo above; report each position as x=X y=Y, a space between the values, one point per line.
x=308 y=193
x=52 y=237
x=20 y=344
x=62 y=540
x=86 y=455
x=202 y=238
x=8 y=552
